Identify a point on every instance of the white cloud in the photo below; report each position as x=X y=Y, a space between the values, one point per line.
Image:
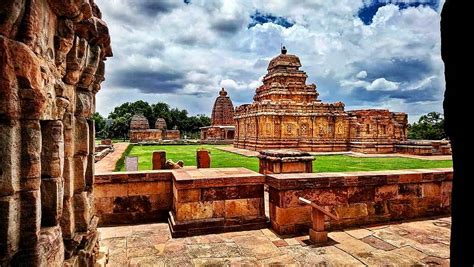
x=382 y=84
x=207 y=45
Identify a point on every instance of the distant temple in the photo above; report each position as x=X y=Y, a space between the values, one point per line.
x=140 y=130
x=222 y=129
x=286 y=113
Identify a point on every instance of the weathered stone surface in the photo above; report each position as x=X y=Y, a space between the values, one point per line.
x=52 y=193
x=51 y=64
x=158 y=160
x=357 y=200
x=139 y=122
x=203 y=158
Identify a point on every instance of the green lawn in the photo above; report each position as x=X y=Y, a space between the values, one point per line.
x=336 y=163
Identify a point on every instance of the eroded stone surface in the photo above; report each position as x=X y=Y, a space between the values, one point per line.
x=152 y=245
x=52 y=57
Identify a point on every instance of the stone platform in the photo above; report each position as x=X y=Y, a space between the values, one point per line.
x=216 y=200
x=423 y=242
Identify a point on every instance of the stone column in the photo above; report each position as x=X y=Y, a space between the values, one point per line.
x=203 y=158
x=158 y=160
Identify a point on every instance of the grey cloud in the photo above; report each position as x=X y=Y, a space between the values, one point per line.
x=228 y=26
x=159 y=82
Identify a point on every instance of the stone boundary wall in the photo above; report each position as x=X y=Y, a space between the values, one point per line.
x=132 y=197
x=358 y=198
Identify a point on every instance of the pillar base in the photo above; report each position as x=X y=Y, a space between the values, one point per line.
x=318 y=237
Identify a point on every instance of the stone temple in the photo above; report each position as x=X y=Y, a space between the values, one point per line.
x=222 y=127
x=140 y=130
x=286 y=113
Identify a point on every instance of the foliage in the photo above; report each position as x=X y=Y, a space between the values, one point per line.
x=429 y=127
x=174 y=117
x=332 y=163
x=120 y=164
x=100 y=125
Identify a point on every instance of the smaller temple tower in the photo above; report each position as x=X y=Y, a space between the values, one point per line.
x=222 y=129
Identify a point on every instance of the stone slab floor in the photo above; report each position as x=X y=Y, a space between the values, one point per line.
x=423 y=242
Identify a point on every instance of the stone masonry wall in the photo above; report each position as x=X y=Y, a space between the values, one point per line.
x=52 y=56
x=132 y=197
x=358 y=198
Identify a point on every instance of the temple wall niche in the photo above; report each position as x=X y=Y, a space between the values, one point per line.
x=52 y=56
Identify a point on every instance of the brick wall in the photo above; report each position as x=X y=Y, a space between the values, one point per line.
x=358 y=198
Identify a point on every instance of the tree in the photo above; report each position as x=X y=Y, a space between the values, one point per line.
x=121 y=126
x=429 y=126
x=100 y=125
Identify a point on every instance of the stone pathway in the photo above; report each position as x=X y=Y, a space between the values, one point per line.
x=423 y=242
x=107 y=164
x=251 y=153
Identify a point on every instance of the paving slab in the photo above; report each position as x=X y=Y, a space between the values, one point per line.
x=401 y=244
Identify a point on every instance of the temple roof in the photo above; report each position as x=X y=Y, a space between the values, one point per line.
x=223 y=110
x=284 y=60
x=139 y=122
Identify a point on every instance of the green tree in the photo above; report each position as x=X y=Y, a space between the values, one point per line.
x=137 y=107
x=120 y=127
x=100 y=125
x=429 y=127
x=161 y=110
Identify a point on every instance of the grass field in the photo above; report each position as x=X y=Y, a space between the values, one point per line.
x=333 y=163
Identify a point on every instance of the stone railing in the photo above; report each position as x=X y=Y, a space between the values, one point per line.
x=358 y=198
x=132 y=197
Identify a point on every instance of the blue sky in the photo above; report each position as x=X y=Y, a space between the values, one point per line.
x=367 y=54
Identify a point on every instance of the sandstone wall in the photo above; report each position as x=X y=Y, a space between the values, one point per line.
x=132 y=197
x=52 y=56
x=358 y=198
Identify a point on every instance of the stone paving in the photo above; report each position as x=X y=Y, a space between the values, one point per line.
x=424 y=242
x=107 y=164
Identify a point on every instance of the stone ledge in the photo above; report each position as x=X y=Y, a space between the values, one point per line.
x=338 y=179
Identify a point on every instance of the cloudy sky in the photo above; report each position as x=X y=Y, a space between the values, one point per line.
x=368 y=54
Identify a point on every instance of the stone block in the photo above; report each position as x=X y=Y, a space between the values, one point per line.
x=82 y=211
x=52 y=149
x=81 y=137
x=52 y=194
x=84 y=104
x=90 y=170
x=431 y=189
x=243 y=207
x=322 y=197
x=203 y=158
x=51 y=246
x=68 y=225
x=30 y=171
x=409 y=191
x=10 y=152
x=147 y=188
x=79 y=171
x=111 y=190
x=158 y=160
x=188 y=195
x=287 y=216
x=68 y=176
x=232 y=192
x=30 y=218
x=386 y=192
x=194 y=211
x=10 y=222
x=446 y=190
x=318 y=236
x=360 y=194
x=356 y=210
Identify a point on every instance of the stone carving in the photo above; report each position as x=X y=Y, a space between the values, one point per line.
x=52 y=57
x=222 y=127
x=306 y=122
